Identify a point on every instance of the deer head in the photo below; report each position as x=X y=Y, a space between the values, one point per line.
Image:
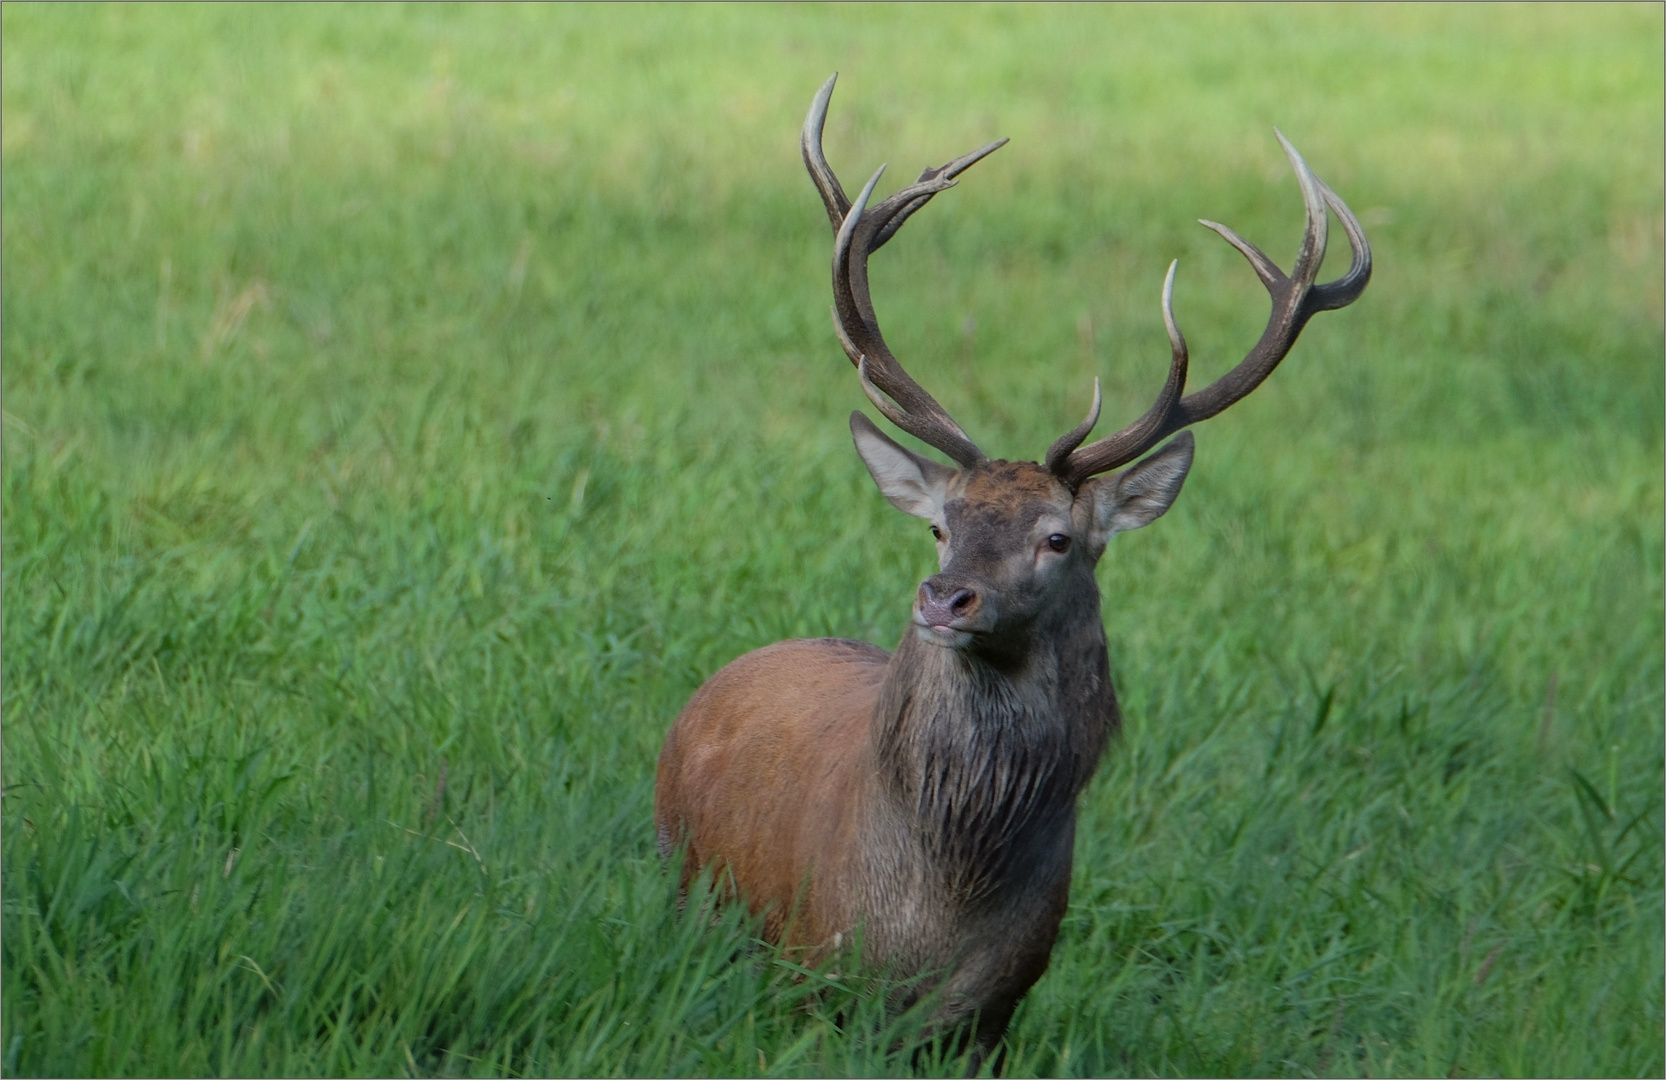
x=1016 y=538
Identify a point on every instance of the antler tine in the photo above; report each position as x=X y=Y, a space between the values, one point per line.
x=1345 y=289
x=897 y=208
x=809 y=143
x=859 y=232
x=1142 y=434
x=1295 y=299
x=1314 y=240
x=1070 y=440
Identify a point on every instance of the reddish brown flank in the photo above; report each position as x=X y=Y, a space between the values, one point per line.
x=927 y=797
x=760 y=765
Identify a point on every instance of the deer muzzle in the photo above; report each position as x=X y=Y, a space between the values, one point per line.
x=948 y=613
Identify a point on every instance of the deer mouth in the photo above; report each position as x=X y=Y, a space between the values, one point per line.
x=947 y=637
x=953 y=632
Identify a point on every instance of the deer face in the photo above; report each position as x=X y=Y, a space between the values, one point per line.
x=1006 y=546
x=1013 y=541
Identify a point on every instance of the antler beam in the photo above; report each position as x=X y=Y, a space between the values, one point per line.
x=1295 y=299
x=860 y=231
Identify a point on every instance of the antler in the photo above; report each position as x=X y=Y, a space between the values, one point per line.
x=860 y=231
x=1296 y=299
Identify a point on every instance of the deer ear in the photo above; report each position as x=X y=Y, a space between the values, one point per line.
x=914 y=484
x=1139 y=494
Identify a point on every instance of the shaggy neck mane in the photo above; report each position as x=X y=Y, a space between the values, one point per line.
x=975 y=755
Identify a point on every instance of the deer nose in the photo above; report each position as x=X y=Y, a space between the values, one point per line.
x=937 y=610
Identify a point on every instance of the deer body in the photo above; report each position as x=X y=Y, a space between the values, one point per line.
x=849 y=839
x=926 y=798
x=928 y=795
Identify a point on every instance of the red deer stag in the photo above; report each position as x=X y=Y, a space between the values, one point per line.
x=929 y=795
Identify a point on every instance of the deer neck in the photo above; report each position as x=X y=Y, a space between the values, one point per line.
x=979 y=749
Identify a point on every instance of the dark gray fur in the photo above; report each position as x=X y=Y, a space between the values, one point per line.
x=981 y=752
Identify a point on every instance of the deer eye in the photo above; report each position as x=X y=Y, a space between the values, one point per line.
x=1059 y=543
x=937 y=534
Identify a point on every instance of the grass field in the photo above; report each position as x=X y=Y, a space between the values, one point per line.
x=406 y=409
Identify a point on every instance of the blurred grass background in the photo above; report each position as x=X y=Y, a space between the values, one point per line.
x=407 y=407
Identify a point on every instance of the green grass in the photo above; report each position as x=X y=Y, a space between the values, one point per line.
x=406 y=409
